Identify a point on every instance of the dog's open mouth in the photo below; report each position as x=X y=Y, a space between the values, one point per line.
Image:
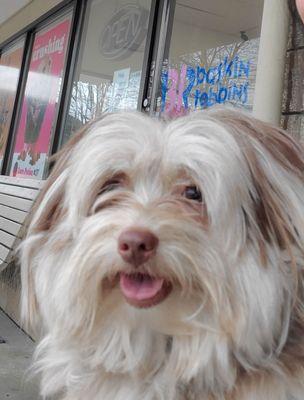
x=142 y=290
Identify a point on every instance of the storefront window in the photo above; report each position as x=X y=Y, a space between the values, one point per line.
x=212 y=56
x=110 y=65
x=10 y=64
x=39 y=109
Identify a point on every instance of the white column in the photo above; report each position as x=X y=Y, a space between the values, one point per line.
x=271 y=61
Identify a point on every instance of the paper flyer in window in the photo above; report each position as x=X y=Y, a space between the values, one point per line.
x=38 y=117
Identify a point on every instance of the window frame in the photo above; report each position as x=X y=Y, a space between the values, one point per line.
x=157 y=47
x=17 y=94
x=149 y=53
x=29 y=32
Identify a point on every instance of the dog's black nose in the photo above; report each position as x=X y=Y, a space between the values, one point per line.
x=137 y=245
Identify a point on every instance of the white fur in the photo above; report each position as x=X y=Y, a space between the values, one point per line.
x=226 y=312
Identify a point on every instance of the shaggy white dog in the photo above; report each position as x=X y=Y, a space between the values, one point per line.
x=164 y=261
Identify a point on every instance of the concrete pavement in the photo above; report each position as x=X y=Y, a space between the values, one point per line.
x=16 y=350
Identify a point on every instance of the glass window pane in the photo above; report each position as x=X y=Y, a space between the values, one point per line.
x=41 y=99
x=10 y=64
x=213 y=55
x=109 y=69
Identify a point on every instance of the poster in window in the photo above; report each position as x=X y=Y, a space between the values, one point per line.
x=42 y=90
x=10 y=64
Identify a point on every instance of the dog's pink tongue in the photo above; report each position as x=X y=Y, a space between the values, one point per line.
x=140 y=286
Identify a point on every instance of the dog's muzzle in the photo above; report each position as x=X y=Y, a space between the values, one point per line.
x=136 y=246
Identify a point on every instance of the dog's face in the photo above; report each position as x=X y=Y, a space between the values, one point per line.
x=189 y=229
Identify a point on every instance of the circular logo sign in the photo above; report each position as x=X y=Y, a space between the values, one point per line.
x=124 y=33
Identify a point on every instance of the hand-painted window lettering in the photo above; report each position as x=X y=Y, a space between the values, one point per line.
x=227 y=76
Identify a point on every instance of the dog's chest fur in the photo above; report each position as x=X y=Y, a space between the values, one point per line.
x=256 y=385
x=268 y=390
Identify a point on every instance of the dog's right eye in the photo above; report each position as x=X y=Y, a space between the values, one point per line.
x=193 y=193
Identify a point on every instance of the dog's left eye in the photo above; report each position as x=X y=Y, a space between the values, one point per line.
x=193 y=193
x=110 y=185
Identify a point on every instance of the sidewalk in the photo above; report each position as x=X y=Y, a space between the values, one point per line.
x=15 y=358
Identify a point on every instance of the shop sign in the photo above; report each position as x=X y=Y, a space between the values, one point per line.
x=124 y=33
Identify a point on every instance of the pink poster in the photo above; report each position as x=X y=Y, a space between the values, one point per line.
x=38 y=114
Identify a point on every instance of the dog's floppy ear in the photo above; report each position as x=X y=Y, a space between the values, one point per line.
x=48 y=206
x=44 y=215
x=276 y=166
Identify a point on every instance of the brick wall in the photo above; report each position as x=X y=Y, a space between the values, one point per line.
x=293 y=94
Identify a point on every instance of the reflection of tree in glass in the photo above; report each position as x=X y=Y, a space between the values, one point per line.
x=3 y=119
x=37 y=101
x=89 y=101
x=4 y=111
